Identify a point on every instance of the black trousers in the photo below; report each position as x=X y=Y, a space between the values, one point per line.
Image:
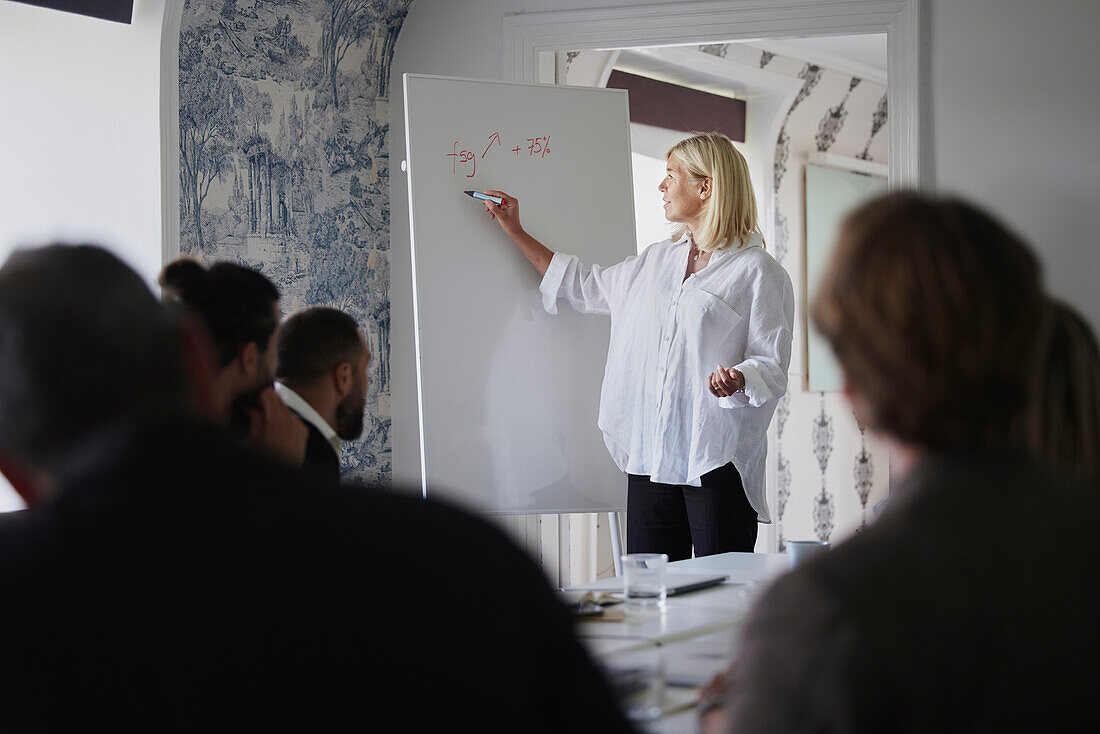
x=671 y=518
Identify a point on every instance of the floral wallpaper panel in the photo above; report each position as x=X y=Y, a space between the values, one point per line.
x=284 y=163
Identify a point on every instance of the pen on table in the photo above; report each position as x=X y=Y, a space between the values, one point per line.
x=484 y=197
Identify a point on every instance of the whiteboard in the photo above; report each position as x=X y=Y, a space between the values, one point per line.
x=830 y=195
x=508 y=394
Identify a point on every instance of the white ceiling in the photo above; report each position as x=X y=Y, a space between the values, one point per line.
x=863 y=56
x=868 y=49
x=844 y=53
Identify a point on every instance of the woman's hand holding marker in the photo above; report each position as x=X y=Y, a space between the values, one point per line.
x=506 y=213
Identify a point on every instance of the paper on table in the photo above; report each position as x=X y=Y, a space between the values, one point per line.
x=603 y=598
x=577 y=602
x=675 y=583
x=678 y=699
x=694 y=662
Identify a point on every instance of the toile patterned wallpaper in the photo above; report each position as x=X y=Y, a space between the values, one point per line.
x=826 y=475
x=284 y=165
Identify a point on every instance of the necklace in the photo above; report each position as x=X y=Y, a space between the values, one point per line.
x=696 y=258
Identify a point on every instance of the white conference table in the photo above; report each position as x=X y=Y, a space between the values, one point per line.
x=696 y=634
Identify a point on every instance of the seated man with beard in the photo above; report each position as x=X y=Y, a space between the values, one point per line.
x=240 y=309
x=322 y=373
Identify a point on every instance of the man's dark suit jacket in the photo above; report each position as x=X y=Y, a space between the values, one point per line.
x=180 y=583
x=971 y=605
x=321 y=463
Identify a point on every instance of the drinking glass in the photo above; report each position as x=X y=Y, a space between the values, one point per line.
x=644 y=588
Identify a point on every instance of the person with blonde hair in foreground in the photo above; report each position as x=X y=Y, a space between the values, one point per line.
x=968 y=605
x=700 y=346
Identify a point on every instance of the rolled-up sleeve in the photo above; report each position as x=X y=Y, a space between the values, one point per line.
x=593 y=290
x=765 y=371
x=768 y=346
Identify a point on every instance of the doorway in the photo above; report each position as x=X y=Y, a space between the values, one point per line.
x=704 y=42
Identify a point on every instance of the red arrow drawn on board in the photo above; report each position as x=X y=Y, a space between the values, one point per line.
x=494 y=136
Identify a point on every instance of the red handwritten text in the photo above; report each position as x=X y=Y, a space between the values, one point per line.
x=463 y=156
x=494 y=137
x=538 y=147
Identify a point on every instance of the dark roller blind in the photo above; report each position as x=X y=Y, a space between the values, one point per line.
x=679 y=108
x=120 y=11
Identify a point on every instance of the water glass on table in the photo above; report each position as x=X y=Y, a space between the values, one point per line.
x=638 y=681
x=644 y=587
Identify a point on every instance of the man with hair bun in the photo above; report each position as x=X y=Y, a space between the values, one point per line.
x=322 y=377
x=239 y=307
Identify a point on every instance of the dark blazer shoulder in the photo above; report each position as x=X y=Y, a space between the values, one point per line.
x=321 y=462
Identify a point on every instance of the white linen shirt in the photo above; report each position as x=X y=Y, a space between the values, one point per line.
x=668 y=334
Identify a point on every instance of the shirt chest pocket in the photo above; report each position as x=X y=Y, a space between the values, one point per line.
x=709 y=317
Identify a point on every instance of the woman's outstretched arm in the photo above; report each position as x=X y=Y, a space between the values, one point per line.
x=507 y=215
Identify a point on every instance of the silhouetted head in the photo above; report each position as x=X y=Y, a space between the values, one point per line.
x=935 y=312
x=83 y=344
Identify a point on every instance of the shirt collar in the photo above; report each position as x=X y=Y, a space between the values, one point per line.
x=297 y=403
x=755 y=239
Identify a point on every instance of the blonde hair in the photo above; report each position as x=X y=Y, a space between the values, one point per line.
x=729 y=213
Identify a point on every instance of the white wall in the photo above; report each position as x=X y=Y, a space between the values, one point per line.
x=80 y=151
x=80 y=135
x=650 y=224
x=1013 y=112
